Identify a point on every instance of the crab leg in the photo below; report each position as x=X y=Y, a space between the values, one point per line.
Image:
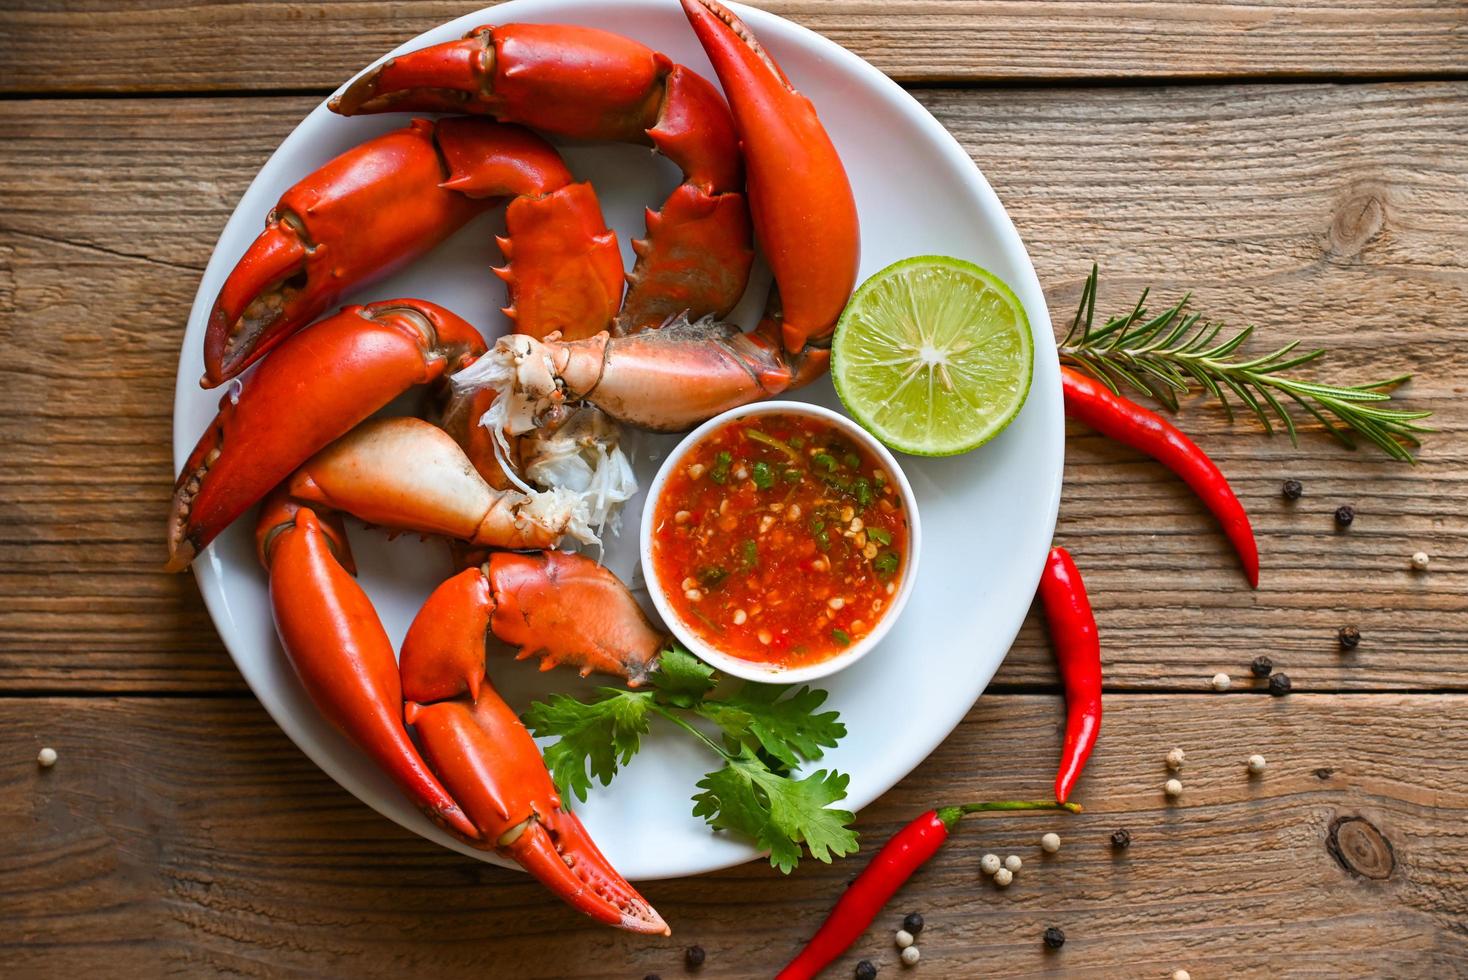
x=315 y=388
x=590 y=84
x=804 y=211
x=338 y=647
x=384 y=203
x=667 y=380
x=574 y=611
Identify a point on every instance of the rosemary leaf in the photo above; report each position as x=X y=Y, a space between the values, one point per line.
x=1174 y=352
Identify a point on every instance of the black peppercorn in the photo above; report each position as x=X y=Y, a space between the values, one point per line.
x=1054 y=938
x=1349 y=636
x=1279 y=685
x=1344 y=515
x=866 y=970
x=1261 y=667
x=1121 y=838
x=913 y=923
x=693 y=957
x=1293 y=489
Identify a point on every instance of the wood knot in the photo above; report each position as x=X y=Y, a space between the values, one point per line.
x=1360 y=848
x=1357 y=221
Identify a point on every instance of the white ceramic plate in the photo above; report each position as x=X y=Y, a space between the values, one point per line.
x=989 y=515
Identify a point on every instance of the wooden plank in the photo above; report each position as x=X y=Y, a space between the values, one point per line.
x=152 y=46
x=184 y=836
x=1323 y=213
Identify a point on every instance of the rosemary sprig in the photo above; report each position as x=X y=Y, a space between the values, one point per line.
x=1168 y=354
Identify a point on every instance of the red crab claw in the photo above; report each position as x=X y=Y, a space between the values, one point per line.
x=591 y=84
x=800 y=198
x=367 y=212
x=568 y=609
x=340 y=651
x=562 y=266
x=314 y=389
x=564 y=607
x=493 y=767
x=409 y=475
x=384 y=203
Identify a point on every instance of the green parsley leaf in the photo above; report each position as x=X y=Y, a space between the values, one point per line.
x=767 y=732
x=879 y=535
x=841 y=637
x=759 y=716
x=681 y=678
x=779 y=812
x=763 y=476
x=600 y=736
x=886 y=564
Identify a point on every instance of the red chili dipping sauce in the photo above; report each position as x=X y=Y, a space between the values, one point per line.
x=780 y=540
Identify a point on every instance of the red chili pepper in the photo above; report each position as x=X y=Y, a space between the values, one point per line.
x=1128 y=423
x=907 y=851
x=1078 y=655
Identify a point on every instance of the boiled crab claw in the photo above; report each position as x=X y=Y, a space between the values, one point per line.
x=695 y=367
x=568 y=609
x=800 y=198
x=389 y=200
x=315 y=388
x=495 y=791
x=493 y=766
x=340 y=651
x=590 y=84
x=562 y=607
x=410 y=475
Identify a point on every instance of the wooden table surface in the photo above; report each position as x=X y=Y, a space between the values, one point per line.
x=1298 y=164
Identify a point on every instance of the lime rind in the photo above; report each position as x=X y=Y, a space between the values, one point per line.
x=933 y=355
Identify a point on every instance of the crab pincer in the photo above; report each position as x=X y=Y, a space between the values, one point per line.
x=568 y=609
x=799 y=195
x=591 y=84
x=313 y=390
x=696 y=366
x=340 y=651
x=391 y=199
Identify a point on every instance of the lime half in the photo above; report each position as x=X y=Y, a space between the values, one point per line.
x=933 y=355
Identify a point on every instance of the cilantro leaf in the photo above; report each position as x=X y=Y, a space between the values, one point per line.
x=779 y=812
x=596 y=737
x=681 y=678
x=759 y=716
x=767 y=732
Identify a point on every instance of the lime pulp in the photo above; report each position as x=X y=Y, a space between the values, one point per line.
x=933 y=355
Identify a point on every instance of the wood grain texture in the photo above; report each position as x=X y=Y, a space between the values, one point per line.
x=189 y=837
x=152 y=45
x=1332 y=214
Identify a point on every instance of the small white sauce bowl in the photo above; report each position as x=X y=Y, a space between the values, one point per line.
x=774 y=673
